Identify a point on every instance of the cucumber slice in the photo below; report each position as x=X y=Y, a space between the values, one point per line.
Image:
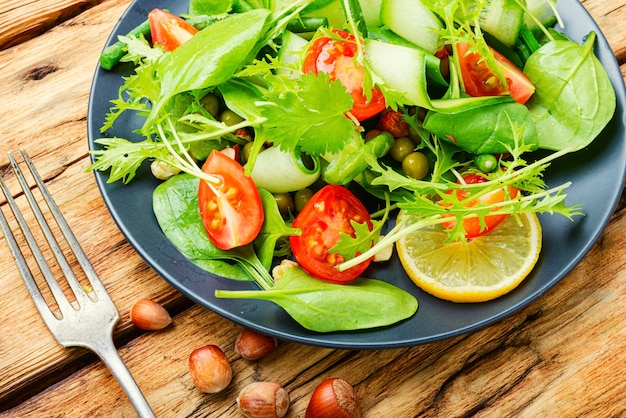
x=433 y=64
x=371 y=12
x=543 y=11
x=279 y=171
x=413 y=21
x=401 y=68
x=290 y=53
x=291 y=48
x=502 y=19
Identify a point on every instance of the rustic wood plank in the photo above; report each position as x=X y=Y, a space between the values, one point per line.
x=50 y=123
x=24 y=20
x=513 y=367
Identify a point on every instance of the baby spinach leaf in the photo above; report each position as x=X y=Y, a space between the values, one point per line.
x=175 y=205
x=326 y=307
x=209 y=58
x=209 y=7
x=273 y=229
x=484 y=129
x=574 y=99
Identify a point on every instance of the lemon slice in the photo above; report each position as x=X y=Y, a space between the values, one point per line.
x=481 y=269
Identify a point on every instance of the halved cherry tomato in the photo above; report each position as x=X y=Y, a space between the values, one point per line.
x=168 y=30
x=231 y=209
x=337 y=58
x=472 y=225
x=325 y=215
x=480 y=80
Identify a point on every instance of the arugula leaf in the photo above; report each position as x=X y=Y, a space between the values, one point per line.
x=138 y=50
x=349 y=246
x=123 y=157
x=326 y=307
x=441 y=203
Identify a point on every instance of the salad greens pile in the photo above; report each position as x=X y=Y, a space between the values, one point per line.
x=238 y=56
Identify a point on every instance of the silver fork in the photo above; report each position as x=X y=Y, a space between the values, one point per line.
x=89 y=321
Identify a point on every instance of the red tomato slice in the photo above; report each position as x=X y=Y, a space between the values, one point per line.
x=479 y=80
x=326 y=214
x=336 y=57
x=472 y=225
x=231 y=210
x=168 y=30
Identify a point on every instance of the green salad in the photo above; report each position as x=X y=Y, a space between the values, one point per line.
x=287 y=133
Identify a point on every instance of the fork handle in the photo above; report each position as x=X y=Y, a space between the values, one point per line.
x=109 y=355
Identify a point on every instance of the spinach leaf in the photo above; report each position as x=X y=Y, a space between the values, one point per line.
x=209 y=58
x=175 y=205
x=209 y=7
x=273 y=229
x=574 y=99
x=326 y=307
x=484 y=129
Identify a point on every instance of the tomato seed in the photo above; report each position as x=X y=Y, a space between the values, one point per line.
x=211 y=205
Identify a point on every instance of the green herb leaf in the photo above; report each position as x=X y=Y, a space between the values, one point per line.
x=484 y=129
x=123 y=157
x=349 y=246
x=307 y=113
x=574 y=99
x=273 y=229
x=326 y=307
x=209 y=58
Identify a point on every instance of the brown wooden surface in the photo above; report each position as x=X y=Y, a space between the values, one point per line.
x=564 y=355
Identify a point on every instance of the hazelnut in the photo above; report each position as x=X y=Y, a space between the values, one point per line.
x=333 y=398
x=210 y=369
x=253 y=345
x=148 y=315
x=263 y=400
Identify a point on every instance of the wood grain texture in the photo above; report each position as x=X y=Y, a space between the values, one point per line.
x=23 y=20
x=563 y=355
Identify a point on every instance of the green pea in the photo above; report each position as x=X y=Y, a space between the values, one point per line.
x=402 y=147
x=230 y=118
x=416 y=165
x=486 y=162
x=211 y=104
x=247 y=149
x=285 y=204
x=301 y=198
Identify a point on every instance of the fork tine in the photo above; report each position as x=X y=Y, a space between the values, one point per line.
x=45 y=228
x=73 y=243
x=23 y=267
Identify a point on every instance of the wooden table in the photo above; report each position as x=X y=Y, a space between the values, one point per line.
x=564 y=355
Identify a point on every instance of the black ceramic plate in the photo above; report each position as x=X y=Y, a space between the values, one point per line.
x=597 y=174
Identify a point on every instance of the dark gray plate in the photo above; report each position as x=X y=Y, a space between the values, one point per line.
x=597 y=174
